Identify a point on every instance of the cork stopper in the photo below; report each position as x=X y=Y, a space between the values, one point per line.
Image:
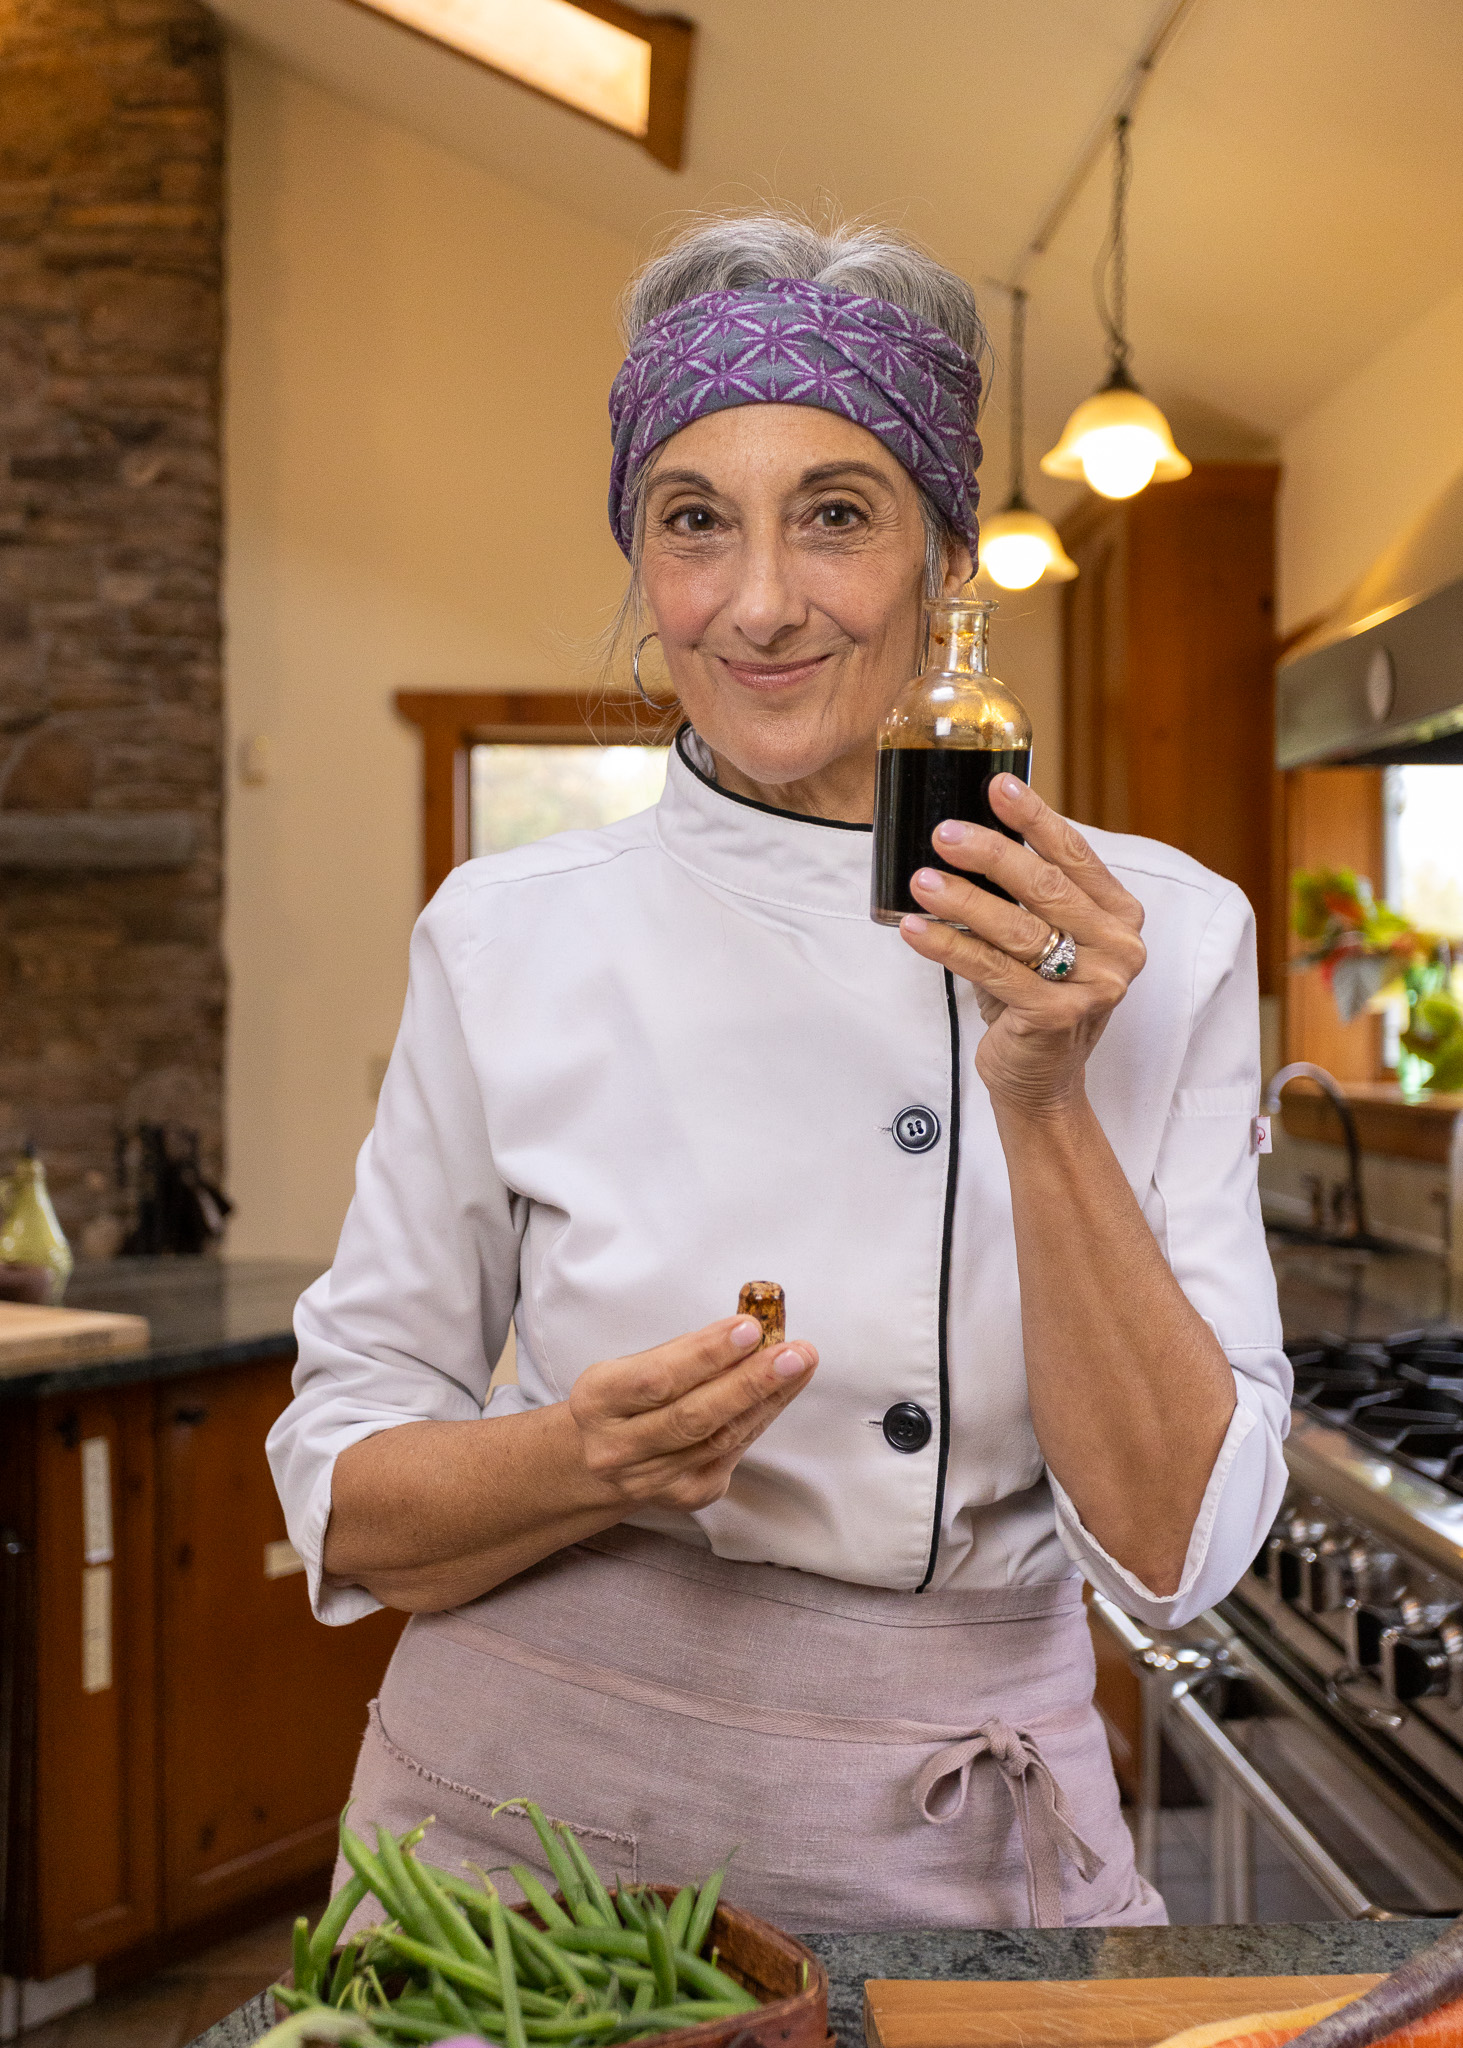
x=763 y=1300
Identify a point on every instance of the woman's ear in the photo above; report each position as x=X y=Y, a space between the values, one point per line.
x=958 y=568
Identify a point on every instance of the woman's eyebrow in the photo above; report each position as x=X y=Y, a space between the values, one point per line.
x=692 y=478
x=829 y=472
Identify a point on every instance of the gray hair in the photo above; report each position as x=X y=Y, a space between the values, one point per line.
x=735 y=251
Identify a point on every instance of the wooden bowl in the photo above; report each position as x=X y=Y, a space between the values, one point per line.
x=787 y=1979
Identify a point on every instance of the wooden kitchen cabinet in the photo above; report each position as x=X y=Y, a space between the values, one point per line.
x=1168 y=674
x=177 y=1732
x=262 y=1708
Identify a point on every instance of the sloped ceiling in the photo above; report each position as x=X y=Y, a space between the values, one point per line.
x=1298 y=191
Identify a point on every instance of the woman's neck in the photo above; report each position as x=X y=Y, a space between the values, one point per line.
x=842 y=791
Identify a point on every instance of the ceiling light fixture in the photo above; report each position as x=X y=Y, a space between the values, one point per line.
x=624 y=69
x=1017 y=546
x=1117 y=439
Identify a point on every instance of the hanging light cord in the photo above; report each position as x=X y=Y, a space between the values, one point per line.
x=1018 y=398
x=1110 y=281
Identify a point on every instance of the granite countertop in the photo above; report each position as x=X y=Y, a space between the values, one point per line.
x=1330 y=1947
x=204 y=1313
x=1362 y=1294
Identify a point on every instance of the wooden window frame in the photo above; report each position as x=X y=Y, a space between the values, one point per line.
x=671 y=37
x=452 y=722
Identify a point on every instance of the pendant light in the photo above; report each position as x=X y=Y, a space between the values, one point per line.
x=1018 y=547
x=1117 y=439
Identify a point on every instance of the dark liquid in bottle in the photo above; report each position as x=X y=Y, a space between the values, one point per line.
x=919 y=787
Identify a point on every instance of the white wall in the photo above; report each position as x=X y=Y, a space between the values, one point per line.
x=418 y=361
x=418 y=357
x=1361 y=466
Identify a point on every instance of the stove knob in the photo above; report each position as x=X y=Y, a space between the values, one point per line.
x=1368 y=1625
x=1329 y=1581
x=1414 y=1667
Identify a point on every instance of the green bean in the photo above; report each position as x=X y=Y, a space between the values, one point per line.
x=550 y=1955
x=527 y=1959
x=344 y=1971
x=513 y=2033
x=644 y=1997
x=698 y=1975
x=332 y=1922
x=604 y=1941
x=548 y=1909
x=291 y=1999
x=451 y=2004
x=679 y=1917
x=465 y=1975
x=367 y=1865
x=660 y=2020
x=412 y=1910
x=305 y=1974
x=705 y=1908
x=630 y=1909
x=460 y=1930
x=593 y=1884
x=661 y=1962
x=392 y=2021
x=561 y=1863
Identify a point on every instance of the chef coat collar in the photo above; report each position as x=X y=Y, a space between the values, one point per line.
x=783 y=857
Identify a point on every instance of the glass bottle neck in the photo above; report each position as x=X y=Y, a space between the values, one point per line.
x=955 y=642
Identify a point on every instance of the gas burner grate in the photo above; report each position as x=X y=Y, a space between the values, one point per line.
x=1402 y=1395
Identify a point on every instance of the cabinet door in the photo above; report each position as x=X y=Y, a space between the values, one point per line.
x=263 y=1707
x=93 y=1872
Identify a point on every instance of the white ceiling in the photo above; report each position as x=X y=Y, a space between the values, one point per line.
x=1298 y=187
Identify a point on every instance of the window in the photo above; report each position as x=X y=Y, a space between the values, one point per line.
x=1424 y=847
x=518 y=793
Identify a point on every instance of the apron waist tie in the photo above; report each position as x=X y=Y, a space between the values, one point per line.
x=1043 y=1816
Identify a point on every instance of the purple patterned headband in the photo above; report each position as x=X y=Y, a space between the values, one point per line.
x=791 y=343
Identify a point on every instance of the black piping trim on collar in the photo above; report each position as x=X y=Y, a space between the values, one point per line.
x=751 y=803
x=947 y=1242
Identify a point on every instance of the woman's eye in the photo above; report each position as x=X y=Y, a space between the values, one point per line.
x=692 y=519
x=837 y=517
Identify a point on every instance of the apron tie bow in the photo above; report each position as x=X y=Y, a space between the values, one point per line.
x=1048 y=1830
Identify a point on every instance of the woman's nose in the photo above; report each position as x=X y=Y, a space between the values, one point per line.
x=766 y=601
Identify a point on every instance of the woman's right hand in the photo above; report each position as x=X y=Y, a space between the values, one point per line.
x=426 y=1515
x=666 y=1427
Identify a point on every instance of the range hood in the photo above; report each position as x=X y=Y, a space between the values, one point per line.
x=1382 y=680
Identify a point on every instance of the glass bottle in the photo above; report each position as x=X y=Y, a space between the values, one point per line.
x=947 y=733
x=35 y=1259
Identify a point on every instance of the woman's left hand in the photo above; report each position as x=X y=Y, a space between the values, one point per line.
x=1039 y=1033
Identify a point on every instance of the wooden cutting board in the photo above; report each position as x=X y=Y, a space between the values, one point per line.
x=1093 y=2012
x=31 y=1336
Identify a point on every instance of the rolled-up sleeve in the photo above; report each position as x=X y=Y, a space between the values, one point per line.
x=409 y=1321
x=1204 y=1208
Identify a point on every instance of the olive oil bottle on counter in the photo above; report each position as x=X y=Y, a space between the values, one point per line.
x=948 y=732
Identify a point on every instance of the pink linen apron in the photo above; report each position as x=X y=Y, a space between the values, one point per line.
x=878 y=1760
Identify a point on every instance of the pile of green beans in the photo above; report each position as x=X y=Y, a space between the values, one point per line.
x=604 y=1968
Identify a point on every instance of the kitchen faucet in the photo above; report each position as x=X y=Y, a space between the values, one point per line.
x=1357 y=1237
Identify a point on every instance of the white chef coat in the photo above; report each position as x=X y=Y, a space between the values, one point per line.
x=642 y=1065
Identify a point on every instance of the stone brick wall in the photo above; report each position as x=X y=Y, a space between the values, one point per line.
x=111 y=978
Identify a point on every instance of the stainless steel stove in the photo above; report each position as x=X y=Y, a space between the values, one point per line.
x=1323 y=1701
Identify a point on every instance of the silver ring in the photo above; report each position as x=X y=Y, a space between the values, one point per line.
x=1057 y=957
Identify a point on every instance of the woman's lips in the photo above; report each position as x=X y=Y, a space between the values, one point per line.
x=779 y=675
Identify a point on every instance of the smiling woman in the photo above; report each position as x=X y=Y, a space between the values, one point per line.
x=822 y=1596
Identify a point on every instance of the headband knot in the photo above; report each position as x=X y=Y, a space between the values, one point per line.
x=788 y=342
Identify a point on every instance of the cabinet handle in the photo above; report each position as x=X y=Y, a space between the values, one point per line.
x=190 y=1415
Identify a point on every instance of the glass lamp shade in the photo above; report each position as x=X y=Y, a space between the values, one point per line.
x=1018 y=548
x=1119 y=441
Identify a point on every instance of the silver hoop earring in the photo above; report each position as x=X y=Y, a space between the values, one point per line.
x=644 y=641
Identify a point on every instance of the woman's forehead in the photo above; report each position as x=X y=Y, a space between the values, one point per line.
x=773 y=447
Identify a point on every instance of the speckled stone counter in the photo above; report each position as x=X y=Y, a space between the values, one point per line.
x=1362 y=1294
x=1009 y=1954
x=204 y=1313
